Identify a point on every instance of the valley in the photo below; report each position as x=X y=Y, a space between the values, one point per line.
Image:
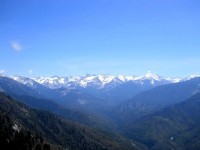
x=146 y=112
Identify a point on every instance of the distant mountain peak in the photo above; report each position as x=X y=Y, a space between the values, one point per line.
x=150 y=75
x=192 y=76
x=101 y=81
x=98 y=81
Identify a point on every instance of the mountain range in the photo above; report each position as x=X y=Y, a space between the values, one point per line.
x=102 y=86
x=147 y=112
x=98 y=81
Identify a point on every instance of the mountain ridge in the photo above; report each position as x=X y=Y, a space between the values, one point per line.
x=174 y=127
x=157 y=98
x=99 y=81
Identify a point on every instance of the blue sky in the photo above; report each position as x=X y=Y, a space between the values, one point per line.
x=75 y=37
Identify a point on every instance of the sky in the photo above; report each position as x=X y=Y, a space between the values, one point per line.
x=77 y=37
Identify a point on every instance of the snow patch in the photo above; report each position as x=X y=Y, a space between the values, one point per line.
x=16 y=128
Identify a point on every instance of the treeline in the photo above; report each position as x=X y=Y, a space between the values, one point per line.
x=22 y=128
x=14 y=138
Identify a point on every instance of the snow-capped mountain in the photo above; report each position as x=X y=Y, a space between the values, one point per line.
x=52 y=82
x=96 y=81
x=26 y=81
x=75 y=91
x=100 y=81
x=191 y=77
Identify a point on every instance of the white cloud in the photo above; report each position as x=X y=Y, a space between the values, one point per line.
x=2 y=71
x=16 y=46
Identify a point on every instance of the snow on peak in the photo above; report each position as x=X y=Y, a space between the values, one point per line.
x=98 y=81
x=150 y=75
x=52 y=82
x=27 y=81
x=173 y=80
x=192 y=76
x=122 y=78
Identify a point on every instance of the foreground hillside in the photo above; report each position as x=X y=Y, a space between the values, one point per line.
x=56 y=130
